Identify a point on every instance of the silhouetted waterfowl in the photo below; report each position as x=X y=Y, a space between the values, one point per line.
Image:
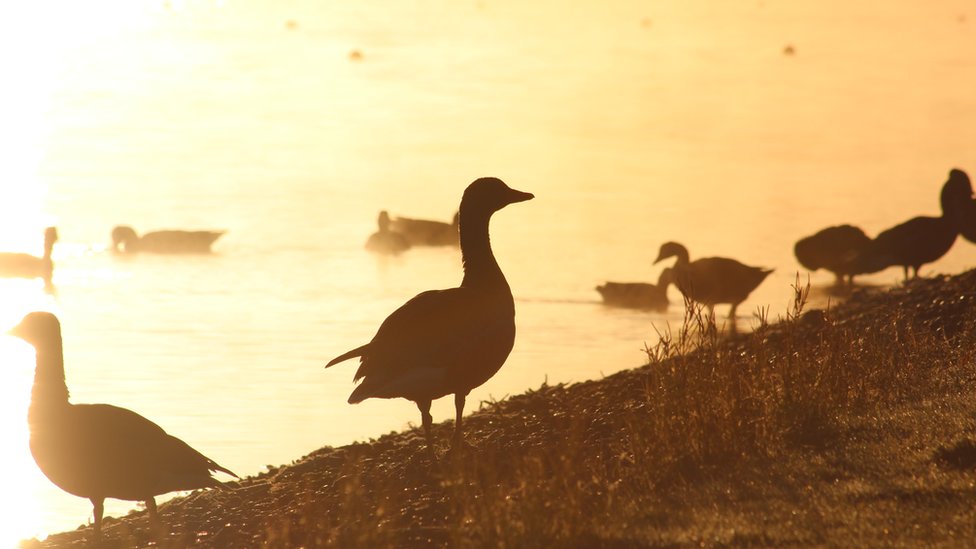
x=125 y=239
x=712 y=280
x=386 y=241
x=99 y=451
x=957 y=193
x=446 y=341
x=638 y=295
x=19 y=265
x=424 y=232
x=833 y=249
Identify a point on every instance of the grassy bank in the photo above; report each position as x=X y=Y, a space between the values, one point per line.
x=849 y=427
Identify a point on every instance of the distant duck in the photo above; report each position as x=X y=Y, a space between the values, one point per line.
x=638 y=295
x=423 y=232
x=99 y=451
x=833 y=249
x=712 y=280
x=958 y=193
x=919 y=240
x=446 y=341
x=386 y=241
x=19 y=265
x=125 y=239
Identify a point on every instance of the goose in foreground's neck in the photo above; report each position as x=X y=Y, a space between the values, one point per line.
x=477 y=206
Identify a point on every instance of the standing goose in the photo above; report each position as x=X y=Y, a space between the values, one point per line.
x=712 y=280
x=446 y=341
x=638 y=295
x=18 y=265
x=99 y=451
x=125 y=239
x=425 y=232
x=958 y=193
x=833 y=249
x=385 y=241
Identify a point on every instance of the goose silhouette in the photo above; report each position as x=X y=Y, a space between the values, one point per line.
x=424 y=232
x=99 y=451
x=446 y=341
x=833 y=249
x=958 y=193
x=712 y=280
x=920 y=240
x=385 y=241
x=18 y=265
x=125 y=239
x=638 y=295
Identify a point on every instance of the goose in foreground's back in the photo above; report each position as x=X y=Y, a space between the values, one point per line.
x=424 y=232
x=833 y=249
x=385 y=241
x=125 y=239
x=99 y=451
x=638 y=295
x=712 y=280
x=446 y=341
x=18 y=265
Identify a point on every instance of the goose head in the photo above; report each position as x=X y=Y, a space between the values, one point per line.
x=124 y=237
x=672 y=249
x=383 y=221
x=50 y=236
x=488 y=195
x=40 y=329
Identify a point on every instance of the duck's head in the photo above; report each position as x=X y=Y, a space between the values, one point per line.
x=123 y=237
x=40 y=329
x=383 y=221
x=490 y=194
x=672 y=249
x=50 y=235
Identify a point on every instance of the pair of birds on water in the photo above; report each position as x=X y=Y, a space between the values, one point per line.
x=396 y=235
x=440 y=342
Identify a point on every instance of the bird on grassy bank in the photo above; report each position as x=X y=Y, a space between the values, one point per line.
x=424 y=232
x=446 y=341
x=99 y=451
x=125 y=239
x=958 y=192
x=638 y=295
x=833 y=249
x=385 y=241
x=919 y=240
x=19 y=265
x=712 y=280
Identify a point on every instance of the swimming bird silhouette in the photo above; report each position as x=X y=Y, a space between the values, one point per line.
x=18 y=265
x=833 y=249
x=99 y=451
x=446 y=341
x=638 y=295
x=125 y=239
x=424 y=232
x=712 y=280
x=385 y=241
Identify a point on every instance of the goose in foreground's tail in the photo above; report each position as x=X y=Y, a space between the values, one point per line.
x=99 y=451
x=446 y=341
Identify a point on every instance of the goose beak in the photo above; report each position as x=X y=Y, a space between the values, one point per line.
x=519 y=196
x=659 y=258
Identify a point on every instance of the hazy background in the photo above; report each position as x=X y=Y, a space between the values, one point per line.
x=632 y=122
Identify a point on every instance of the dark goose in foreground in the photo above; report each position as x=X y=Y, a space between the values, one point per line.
x=712 y=280
x=424 y=232
x=447 y=341
x=833 y=249
x=18 y=265
x=385 y=241
x=125 y=239
x=638 y=295
x=98 y=451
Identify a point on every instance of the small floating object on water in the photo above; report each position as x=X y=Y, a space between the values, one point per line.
x=789 y=50
x=355 y=55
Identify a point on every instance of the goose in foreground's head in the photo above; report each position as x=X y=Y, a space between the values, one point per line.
x=712 y=280
x=18 y=265
x=424 y=232
x=385 y=241
x=446 y=341
x=99 y=451
x=638 y=295
x=125 y=239
x=833 y=249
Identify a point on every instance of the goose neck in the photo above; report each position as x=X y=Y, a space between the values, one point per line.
x=49 y=387
x=480 y=267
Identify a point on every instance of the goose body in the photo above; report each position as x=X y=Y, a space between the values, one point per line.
x=20 y=265
x=712 y=280
x=446 y=341
x=425 y=232
x=833 y=249
x=386 y=241
x=125 y=239
x=99 y=451
x=638 y=295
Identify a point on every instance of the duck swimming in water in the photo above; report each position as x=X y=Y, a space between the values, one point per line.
x=99 y=451
x=125 y=239
x=385 y=241
x=19 y=265
x=446 y=341
x=638 y=295
x=424 y=232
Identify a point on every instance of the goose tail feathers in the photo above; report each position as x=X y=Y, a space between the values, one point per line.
x=358 y=351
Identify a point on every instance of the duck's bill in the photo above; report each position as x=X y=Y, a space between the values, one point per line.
x=519 y=196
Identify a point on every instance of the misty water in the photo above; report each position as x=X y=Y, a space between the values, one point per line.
x=735 y=128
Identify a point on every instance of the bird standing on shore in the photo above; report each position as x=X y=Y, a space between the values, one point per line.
x=99 y=451
x=446 y=341
x=833 y=249
x=18 y=265
x=125 y=239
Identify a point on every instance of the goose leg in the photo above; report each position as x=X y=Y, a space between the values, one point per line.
x=427 y=421
x=153 y=512
x=98 y=507
x=459 y=410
